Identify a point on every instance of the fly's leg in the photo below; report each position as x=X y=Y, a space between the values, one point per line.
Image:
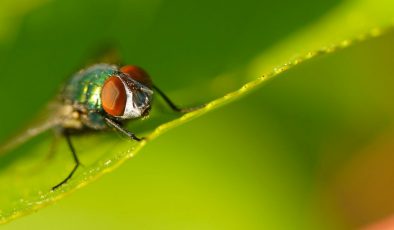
x=51 y=153
x=119 y=128
x=75 y=157
x=53 y=147
x=131 y=135
x=173 y=106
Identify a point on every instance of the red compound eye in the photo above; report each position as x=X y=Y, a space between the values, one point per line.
x=113 y=96
x=137 y=74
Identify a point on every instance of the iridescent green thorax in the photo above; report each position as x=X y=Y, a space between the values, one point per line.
x=84 y=88
x=83 y=93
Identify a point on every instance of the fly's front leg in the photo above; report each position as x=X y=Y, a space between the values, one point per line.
x=172 y=104
x=119 y=128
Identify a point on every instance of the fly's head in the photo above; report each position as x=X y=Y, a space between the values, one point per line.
x=125 y=95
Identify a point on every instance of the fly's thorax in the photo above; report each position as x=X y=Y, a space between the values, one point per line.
x=81 y=99
x=85 y=87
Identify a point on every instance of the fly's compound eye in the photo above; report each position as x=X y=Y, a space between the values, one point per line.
x=137 y=74
x=113 y=96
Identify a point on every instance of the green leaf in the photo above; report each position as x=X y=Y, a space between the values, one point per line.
x=11 y=13
x=224 y=65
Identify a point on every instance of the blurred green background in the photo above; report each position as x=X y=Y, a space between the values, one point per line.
x=312 y=149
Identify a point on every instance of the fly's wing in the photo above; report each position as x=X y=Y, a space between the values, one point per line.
x=47 y=120
x=53 y=115
x=105 y=53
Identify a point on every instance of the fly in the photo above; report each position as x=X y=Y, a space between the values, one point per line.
x=101 y=97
